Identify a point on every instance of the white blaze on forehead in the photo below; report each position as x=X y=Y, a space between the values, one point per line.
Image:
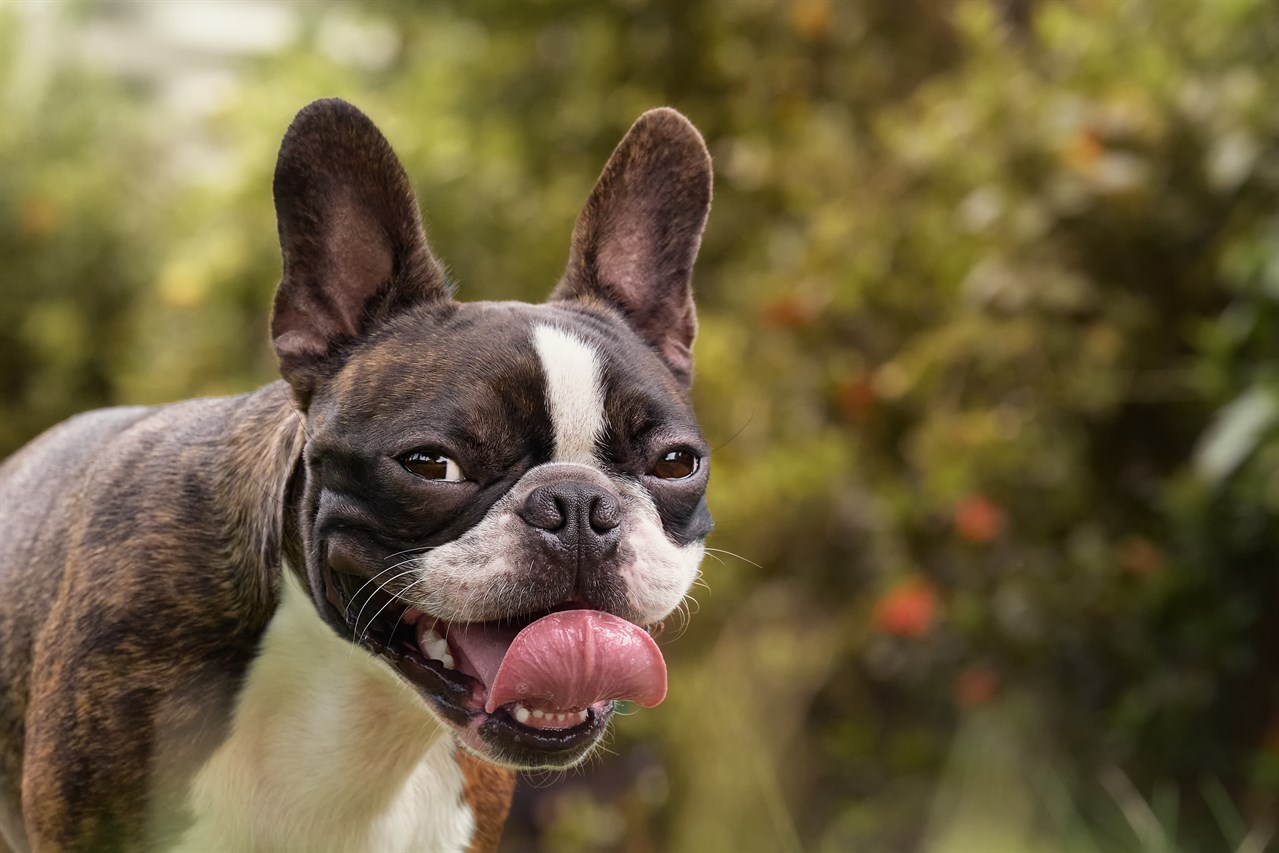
x=574 y=393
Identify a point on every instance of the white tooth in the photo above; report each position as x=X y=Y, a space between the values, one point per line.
x=430 y=636
x=521 y=714
x=438 y=649
x=539 y=713
x=447 y=660
x=581 y=715
x=559 y=718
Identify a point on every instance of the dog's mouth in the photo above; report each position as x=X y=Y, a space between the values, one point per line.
x=535 y=690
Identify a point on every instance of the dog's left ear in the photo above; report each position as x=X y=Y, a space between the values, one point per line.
x=351 y=237
x=637 y=238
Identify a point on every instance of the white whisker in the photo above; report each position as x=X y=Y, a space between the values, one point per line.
x=374 y=577
x=421 y=550
x=355 y=625
x=731 y=554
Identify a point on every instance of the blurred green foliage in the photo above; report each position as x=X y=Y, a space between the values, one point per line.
x=989 y=347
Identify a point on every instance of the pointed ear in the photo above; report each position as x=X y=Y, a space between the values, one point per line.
x=351 y=237
x=637 y=238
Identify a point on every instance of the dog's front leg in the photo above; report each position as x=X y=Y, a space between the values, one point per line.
x=122 y=711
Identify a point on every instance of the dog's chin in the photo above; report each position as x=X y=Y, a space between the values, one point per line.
x=548 y=738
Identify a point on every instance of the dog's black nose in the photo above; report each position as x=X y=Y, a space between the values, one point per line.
x=583 y=516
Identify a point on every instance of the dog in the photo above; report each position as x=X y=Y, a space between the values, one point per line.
x=339 y=612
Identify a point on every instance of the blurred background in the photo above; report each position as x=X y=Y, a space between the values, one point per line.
x=989 y=354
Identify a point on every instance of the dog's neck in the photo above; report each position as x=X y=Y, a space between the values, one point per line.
x=328 y=750
x=253 y=491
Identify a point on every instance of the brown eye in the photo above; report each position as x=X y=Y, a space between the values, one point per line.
x=432 y=466
x=675 y=465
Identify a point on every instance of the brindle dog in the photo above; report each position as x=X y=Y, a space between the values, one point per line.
x=335 y=612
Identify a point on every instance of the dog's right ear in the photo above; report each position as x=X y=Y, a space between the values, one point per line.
x=351 y=238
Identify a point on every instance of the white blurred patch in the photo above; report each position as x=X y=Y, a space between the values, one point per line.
x=226 y=26
x=1235 y=434
x=365 y=43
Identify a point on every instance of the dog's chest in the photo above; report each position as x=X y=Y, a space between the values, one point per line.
x=327 y=751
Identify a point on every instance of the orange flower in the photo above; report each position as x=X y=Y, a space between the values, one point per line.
x=857 y=395
x=811 y=18
x=786 y=312
x=38 y=217
x=978 y=519
x=1084 y=150
x=1139 y=555
x=907 y=610
x=975 y=686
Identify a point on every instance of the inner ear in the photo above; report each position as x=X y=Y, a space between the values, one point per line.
x=351 y=238
x=637 y=238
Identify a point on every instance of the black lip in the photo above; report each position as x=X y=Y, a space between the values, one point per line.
x=543 y=748
x=448 y=691
x=371 y=617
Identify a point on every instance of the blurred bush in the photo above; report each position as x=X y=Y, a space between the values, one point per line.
x=989 y=348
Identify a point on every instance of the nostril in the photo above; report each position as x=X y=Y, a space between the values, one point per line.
x=544 y=509
x=605 y=513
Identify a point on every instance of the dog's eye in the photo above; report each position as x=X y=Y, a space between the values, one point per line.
x=432 y=466
x=676 y=465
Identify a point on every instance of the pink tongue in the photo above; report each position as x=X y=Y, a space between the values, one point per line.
x=565 y=661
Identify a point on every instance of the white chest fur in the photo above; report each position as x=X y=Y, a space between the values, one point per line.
x=328 y=750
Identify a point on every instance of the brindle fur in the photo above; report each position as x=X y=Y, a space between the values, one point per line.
x=140 y=554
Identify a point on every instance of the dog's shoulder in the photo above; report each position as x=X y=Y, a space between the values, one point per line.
x=167 y=481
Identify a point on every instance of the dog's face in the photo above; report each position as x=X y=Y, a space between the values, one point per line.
x=499 y=500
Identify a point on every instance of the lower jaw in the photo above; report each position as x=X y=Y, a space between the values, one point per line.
x=499 y=738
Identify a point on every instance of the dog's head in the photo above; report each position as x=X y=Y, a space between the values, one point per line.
x=499 y=500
